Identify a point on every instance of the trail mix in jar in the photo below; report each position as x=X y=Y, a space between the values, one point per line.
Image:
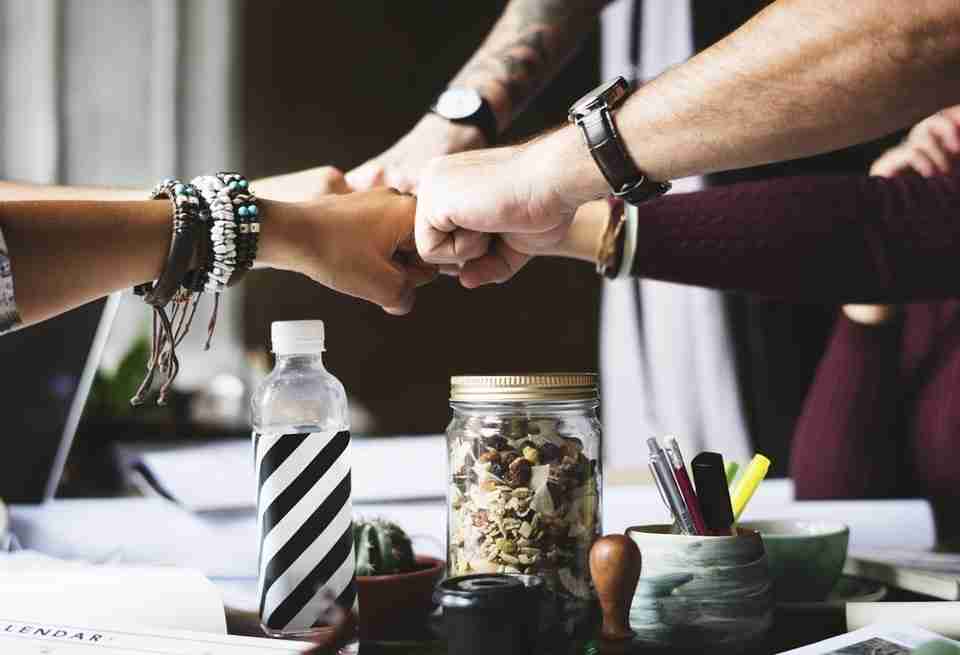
x=524 y=499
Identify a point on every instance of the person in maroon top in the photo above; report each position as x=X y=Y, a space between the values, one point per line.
x=881 y=419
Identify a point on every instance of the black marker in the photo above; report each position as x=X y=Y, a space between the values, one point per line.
x=714 y=495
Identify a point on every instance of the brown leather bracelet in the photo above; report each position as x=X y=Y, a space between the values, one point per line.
x=187 y=229
x=608 y=250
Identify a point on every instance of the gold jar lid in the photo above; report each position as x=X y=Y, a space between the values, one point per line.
x=557 y=387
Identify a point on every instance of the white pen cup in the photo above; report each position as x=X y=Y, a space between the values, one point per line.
x=701 y=593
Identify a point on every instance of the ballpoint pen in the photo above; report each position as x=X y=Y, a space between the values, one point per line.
x=713 y=492
x=686 y=487
x=661 y=470
x=749 y=481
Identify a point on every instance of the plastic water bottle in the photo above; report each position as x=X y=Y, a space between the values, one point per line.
x=301 y=436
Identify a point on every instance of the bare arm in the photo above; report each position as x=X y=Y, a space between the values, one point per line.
x=527 y=46
x=288 y=187
x=802 y=77
x=66 y=253
x=10 y=190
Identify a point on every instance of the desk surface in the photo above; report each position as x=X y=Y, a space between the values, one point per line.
x=791 y=629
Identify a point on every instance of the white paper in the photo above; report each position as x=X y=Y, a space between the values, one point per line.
x=912 y=559
x=895 y=640
x=940 y=617
x=131 y=531
x=24 y=637
x=220 y=475
x=49 y=590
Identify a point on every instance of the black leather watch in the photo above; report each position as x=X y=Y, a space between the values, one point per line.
x=466 y=106
x=593 y=114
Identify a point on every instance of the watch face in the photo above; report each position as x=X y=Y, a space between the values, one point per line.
x=608 y=93
x=458 y=103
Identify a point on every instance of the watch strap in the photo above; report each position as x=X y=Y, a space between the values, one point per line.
x=615 y=163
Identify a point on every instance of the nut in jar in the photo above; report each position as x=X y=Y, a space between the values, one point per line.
x=525 y=478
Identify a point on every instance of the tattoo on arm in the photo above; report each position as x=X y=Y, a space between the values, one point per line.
x=528 y=45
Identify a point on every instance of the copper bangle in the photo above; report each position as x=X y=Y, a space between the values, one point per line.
x=607 y=249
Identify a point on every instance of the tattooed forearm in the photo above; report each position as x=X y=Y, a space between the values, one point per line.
x=526 y=47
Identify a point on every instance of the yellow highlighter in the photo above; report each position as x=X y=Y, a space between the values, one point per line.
x=750 y=479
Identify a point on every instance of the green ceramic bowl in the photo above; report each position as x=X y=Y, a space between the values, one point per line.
x=805 y=557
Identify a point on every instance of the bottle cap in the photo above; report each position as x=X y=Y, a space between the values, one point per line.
x=297 y=337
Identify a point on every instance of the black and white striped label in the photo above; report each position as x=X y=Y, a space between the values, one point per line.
x=305 y=523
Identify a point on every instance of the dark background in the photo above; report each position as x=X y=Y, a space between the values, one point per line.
x=338 y=82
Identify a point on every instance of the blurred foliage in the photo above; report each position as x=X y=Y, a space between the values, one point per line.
x=111 y=393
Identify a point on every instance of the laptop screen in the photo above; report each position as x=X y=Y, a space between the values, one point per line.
x=41 y=375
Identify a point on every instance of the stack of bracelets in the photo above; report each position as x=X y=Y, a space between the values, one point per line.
x=216 y=225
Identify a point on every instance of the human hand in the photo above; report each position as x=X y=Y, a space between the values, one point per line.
x=360 y=244
x=302 y=185
x=526 y=195
x=400 y=166
x=931 y=148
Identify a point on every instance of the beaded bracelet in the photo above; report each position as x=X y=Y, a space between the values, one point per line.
x=189 y=217
x=233 y=236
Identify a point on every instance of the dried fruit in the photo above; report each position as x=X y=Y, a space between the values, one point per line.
x=507 y=457
x=549 y=452
x=480 y=519
x=531 y=454
x=572 y=447
x=521 y=501
x=519 y=472
x=495 y=442
x=506 y=546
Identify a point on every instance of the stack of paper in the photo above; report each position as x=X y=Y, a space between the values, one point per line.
x=19 y=637
x=46 y=590
x=919 y=571
x=133 y=531
x=220 y=475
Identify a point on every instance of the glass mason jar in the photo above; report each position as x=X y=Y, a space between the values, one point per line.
x=525 y=482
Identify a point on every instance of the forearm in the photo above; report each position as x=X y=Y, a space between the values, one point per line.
x=820 y=239
x=527 y=46
x=802 y=77
x=846 y=440
x=10 y=191
x=64 y=254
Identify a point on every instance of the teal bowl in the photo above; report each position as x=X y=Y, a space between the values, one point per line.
x=805 y=557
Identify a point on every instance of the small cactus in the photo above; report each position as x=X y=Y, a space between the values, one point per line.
x=382 y=548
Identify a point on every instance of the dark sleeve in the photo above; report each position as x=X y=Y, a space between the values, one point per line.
x=845 y=443
x=824 y=239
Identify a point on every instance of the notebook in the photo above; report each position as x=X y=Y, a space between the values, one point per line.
x=922 y=572
x=60 y=607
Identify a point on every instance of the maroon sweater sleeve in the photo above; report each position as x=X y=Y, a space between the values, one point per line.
x=823 y=239
x=847 y=441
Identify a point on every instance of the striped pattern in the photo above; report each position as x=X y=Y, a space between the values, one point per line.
x=304 y=516
x=9 y=318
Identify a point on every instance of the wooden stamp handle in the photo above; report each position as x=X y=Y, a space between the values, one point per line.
x=615 y=568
